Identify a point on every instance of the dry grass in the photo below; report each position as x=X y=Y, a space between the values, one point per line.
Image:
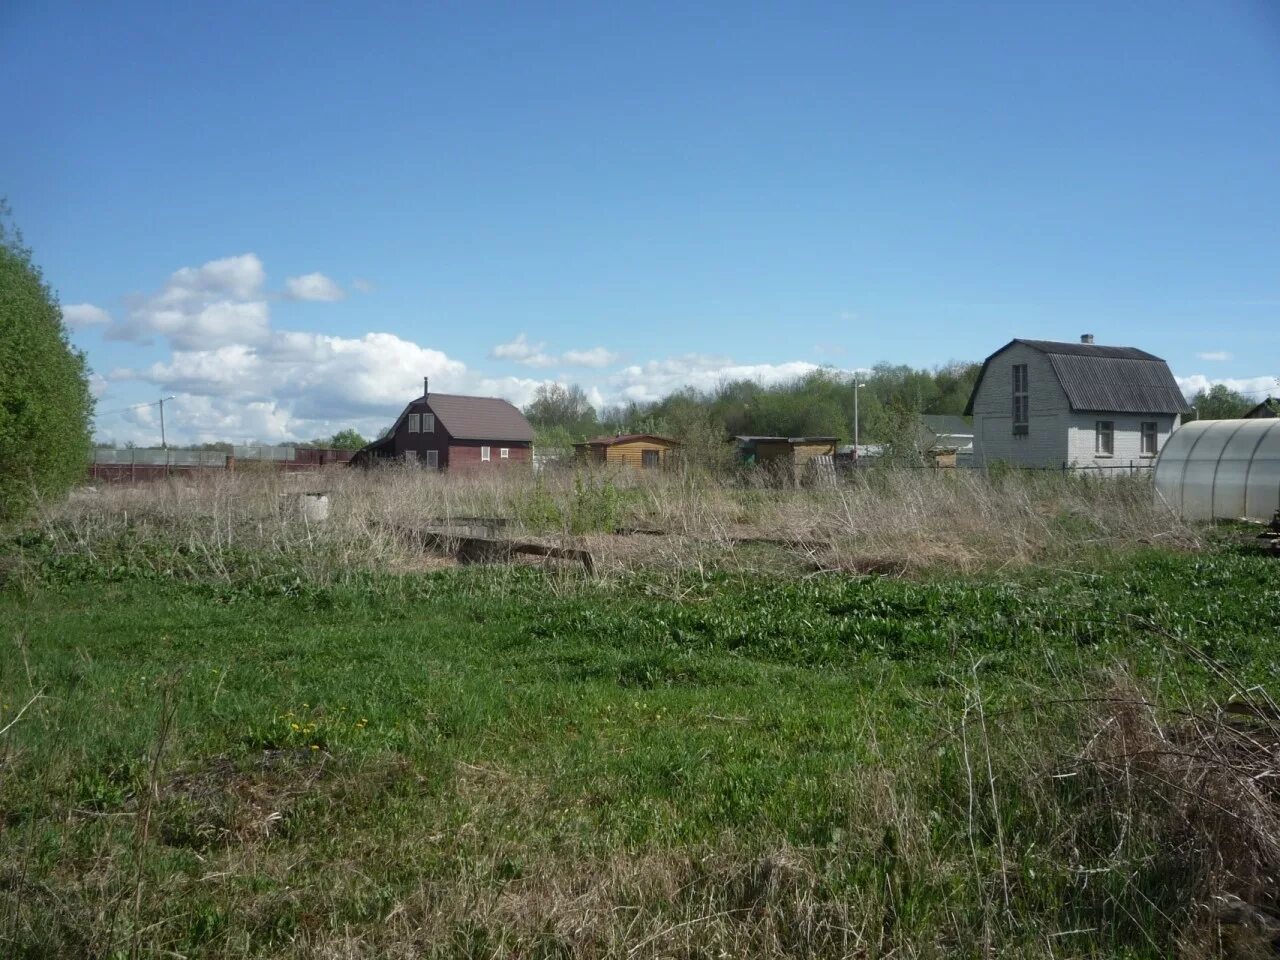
x=895 y=521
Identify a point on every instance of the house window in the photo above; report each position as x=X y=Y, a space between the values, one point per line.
x=1104 y=438
x=649 y=458
x=1021 y=401
x=413 y=423
x=428 y=423
x=1150 y=434
x=484 y=453
x=504 y=453
x=433 y=459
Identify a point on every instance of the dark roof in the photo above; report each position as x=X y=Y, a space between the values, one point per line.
x=467 y=418
x=625 y=438
x=1102 y=378
x=947 y=424
x=792 y=440
x=1269 y=407
x=479 y=418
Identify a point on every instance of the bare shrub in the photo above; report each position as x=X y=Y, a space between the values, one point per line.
x=884 y=520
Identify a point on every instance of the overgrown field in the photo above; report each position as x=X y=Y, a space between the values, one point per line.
x=227 y=744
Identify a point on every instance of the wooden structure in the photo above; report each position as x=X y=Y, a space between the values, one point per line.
x=1266 y=410
x=639 y=451
x=792 y=459
x=447 y=431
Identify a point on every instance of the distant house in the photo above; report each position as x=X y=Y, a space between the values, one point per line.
x=643 y=451
x=1269 y=407
x=447 y=431
x=1042 y=403
x=946 y=440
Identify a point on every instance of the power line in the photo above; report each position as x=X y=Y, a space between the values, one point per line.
x=136 y=406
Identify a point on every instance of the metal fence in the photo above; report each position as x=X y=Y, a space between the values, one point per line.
x=134 y=463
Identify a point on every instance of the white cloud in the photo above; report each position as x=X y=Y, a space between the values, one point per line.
x=236 y=378
x=203 y=307
x=1214 y=355
x=657 y=378
x=238 y=278
x=520 y=350
x=85 y=315
x=313 y=286
x=597 y=357
x=1257 y=387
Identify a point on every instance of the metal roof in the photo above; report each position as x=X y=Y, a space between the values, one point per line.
x=479 y=418
x=756 y=439
x=467 y=418
x=1105 y=379
x=625 y=438
x=947 y=424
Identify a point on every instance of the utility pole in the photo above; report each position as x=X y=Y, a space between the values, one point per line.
x=857 y=388
x=163 y=401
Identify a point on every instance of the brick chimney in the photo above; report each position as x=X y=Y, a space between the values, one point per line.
x=426 y=387
x=1086 y=338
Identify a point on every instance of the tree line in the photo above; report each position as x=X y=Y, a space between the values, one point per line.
x=890 y=398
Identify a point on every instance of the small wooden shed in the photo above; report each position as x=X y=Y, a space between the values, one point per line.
x=792 y=459
x=790 y=450
x=641 y=451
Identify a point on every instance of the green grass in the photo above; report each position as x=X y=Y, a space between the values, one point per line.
x=490 y=762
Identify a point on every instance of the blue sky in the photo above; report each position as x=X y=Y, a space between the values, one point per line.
x=632 y=196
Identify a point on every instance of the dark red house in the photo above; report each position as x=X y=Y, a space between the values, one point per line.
x=448 y=431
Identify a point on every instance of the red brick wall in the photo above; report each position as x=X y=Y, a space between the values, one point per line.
x=465 y=455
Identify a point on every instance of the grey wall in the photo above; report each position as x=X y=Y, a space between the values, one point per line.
x=1128 y=437
x=1045 y=444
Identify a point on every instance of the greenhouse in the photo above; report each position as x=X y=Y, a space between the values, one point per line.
x=1221 y=470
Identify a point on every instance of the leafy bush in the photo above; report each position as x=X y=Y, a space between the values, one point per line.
x=45 y=405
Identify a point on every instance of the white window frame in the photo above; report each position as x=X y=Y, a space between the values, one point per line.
x=1021 y=400
x=1148 y=429
x=413 y=423
x=1104 y=430
x=433 y=459
x=485 y=454
x=428 y=423
x=504 y=453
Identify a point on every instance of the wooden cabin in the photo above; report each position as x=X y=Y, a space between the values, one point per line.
x=442 y=431
x=641 y=451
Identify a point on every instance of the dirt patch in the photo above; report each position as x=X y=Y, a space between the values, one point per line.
x=235 y=801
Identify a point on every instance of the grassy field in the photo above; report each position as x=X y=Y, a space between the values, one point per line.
x=216 y=742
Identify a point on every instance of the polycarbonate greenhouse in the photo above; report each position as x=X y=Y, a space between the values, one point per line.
x=1221 y=469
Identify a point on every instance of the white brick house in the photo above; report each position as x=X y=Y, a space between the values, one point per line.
x=1041 y=403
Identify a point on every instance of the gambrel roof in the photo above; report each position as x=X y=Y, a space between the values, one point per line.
x=1105 y=379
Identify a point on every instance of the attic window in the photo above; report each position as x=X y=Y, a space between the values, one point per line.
x=413 y=423
x=1021 y=401
x=428 y=423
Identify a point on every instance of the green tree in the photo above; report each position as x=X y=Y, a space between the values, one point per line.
x=45 y=404
x=1220 y=403
x=566 y=407
x=349 y=439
